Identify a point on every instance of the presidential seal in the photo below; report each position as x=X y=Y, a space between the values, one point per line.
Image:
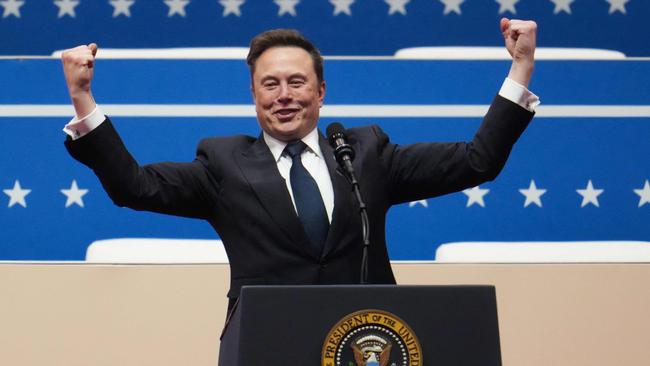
x=371 y=338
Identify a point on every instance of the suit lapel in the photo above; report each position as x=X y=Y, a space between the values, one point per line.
x=261 y=171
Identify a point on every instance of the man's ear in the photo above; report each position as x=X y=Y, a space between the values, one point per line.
x=253 y=92
x=321 y=93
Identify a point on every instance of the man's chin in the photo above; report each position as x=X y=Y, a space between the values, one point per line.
x=291 y=130
x=290 y=134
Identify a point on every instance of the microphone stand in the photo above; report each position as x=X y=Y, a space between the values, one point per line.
x=365 y=230
x=365 y=221
x=344 y=154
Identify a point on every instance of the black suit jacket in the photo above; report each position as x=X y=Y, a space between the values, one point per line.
x=235 y=185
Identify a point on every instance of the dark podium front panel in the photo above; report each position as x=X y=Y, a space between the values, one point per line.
x=289 y=325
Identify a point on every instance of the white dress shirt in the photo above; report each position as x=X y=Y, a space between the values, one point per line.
x=312 y=159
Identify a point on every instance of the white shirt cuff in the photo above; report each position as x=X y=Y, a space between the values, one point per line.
x=79 y=127
x=517 y=93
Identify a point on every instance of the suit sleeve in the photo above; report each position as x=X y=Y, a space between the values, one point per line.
x=427 y=170
x=182 y=189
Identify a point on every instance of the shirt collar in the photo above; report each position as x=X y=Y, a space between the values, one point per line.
x=277 y=147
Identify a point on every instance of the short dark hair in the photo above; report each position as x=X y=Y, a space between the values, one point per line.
x=283 y=38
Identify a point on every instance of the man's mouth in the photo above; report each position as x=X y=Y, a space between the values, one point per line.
x=286 y=114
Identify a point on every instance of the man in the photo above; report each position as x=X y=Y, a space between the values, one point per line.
x=283 y=211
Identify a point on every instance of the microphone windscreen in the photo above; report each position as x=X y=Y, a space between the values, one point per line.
x=334 y=129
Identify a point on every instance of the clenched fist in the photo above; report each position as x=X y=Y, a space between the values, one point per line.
x=78 y=67
x=520 y=38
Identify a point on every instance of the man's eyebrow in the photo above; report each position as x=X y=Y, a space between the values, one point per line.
x=267 y=77
x=292 y=76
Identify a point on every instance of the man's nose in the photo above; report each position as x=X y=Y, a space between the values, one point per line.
x=285 y=94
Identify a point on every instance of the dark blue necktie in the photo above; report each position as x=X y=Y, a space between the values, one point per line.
x=307 y=197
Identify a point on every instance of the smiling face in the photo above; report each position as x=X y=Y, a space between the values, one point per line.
x=287 y=93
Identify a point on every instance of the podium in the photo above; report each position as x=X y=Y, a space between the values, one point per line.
x=356 y=325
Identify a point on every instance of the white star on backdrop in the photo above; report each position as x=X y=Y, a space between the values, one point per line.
x=617 y=5
x=176 y=7
x=121 y=7
x=66 y=7
x=507 y=5
x=231 y=7
x=562 y=5
x=17 y=194
x=286 y=6
x=420 y=202
x=475 y=195
x=452 y=5
x=590 y=195
x=644 y=194
x=11 y=7
x=533 y=194
x=342 y=6
x=397 y=6
x=74 y=195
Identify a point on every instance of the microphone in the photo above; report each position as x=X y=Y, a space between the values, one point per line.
x=343 y=152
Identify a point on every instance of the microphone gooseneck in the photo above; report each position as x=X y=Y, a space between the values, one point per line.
x=344 y=155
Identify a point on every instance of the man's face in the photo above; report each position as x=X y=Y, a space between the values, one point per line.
x=287 y=93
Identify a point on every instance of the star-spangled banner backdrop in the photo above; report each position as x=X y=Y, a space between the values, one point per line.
x=579 y=172
x=338 y=27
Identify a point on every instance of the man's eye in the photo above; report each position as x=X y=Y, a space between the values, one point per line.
x=270 y=85
x=296 y=82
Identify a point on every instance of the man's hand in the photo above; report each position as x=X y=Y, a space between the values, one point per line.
x=520 y=38
x=78 y=67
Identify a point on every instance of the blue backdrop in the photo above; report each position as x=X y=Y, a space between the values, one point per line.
x=338 y=27
x=560 y=151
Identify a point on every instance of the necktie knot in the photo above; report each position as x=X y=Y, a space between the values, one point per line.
x=295 y=148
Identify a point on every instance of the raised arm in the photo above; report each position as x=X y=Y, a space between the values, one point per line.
x=431 y=169
x=183 y=189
